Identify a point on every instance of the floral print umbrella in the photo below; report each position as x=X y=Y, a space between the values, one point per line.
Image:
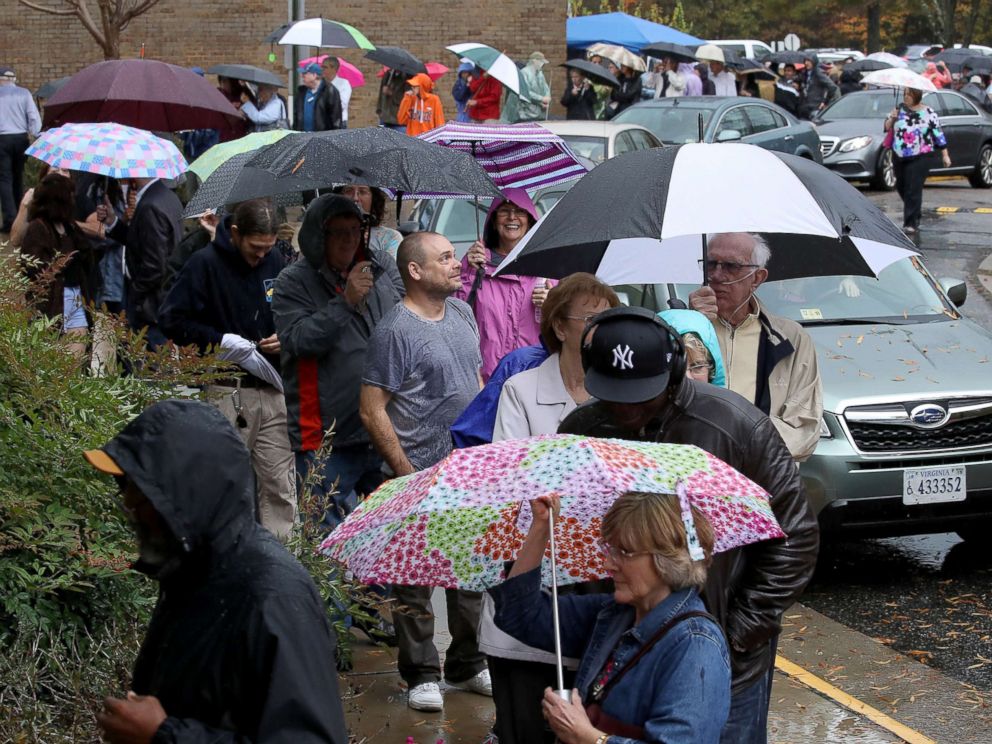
x=454 y=524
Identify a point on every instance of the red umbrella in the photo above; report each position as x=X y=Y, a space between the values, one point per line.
x=345 y=69
x=141 y=93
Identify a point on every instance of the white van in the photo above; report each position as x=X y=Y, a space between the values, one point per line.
x=749 y=48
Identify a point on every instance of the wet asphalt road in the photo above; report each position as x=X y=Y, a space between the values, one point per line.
x=928 y=596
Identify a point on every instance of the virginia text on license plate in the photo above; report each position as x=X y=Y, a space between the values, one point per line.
x=933 y=485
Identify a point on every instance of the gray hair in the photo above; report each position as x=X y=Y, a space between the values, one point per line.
x=761 y=253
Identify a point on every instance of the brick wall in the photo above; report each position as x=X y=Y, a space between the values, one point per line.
x=42 y=47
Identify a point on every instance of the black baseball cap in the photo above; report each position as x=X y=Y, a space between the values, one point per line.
x=628 y=359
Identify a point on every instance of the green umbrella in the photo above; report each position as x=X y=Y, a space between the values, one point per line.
x=497 y=64
x=209 y=161
x=319 y=32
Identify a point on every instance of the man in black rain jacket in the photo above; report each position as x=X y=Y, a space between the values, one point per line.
x=239 y=648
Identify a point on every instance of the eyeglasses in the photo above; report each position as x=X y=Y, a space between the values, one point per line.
x=619 y=555
x=511 y=211
x=583 y=318
x=701 y=367
x=728 y=267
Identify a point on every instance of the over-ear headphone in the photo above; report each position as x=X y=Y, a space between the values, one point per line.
x=678 y=364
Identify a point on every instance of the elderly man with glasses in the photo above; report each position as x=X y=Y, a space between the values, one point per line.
x=769 y=360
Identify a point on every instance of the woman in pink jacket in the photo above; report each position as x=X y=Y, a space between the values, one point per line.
x=507 y=307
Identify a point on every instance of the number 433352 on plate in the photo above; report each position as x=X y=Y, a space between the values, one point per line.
x=933 y=485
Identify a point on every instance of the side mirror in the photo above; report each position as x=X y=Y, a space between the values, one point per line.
x=728 y=135
x=957 y=290
x=405 y=228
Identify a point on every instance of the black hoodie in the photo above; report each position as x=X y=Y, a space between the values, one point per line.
x=217 y=292
x=239 y=648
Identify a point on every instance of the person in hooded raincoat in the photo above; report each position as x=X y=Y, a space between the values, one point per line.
x=535 y=95
x=239 y=647
x=460 y=91
x=420 y=110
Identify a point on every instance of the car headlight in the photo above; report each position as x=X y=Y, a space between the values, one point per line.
x=855 y=143
x=824 y=431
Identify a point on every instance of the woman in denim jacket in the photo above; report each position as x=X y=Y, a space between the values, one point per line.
x=654 y=666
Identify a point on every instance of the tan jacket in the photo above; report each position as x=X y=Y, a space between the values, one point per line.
x=788 y=388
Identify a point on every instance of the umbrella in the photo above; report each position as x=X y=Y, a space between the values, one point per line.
x=978 y=65
x=868 y=65
x=273 y=36
x=736 y=62
x=435 y=70
x=345 y=69
x=376 y=156
x=595 y=72
x=456 y=523
x=894 y=60
x=497 y=64
x=109 y=150
x=898 y=77
x=319 y=32
x=618 y=55
x=830 y=228
x=753 y=67
x=141 y=93
x=667 y=49
x=397 y=58
x=51 y=87
x=249 y=74
x=220 y=153
x=788 y=58
x=954 y=58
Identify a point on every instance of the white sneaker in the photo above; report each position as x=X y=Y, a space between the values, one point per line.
x=426 y=697
x=480 y=684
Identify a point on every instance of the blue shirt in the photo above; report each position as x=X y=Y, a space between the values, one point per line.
x=679 y=691
x=18 y=114
x=309 y=106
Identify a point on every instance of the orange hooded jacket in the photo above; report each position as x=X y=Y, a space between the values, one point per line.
x=420 y=113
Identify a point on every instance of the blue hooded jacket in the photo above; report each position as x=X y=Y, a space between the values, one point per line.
x=691 y=321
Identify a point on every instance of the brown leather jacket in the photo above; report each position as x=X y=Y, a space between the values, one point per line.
x=749 y=588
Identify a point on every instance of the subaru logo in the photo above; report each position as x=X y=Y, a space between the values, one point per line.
x=928 y=416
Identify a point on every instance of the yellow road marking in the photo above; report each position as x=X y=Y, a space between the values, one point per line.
x=983 y=210
x=852 y=703
x=947 y=210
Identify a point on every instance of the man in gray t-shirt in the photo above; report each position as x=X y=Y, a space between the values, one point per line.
x=421 y=371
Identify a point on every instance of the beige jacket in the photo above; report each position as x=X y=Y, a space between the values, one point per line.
x=788 y=387
x=533 y=402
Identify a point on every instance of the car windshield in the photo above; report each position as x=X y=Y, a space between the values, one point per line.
x=593 y=148
x=875 y=106
x=673 y=125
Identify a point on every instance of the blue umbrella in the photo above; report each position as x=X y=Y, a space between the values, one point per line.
x=624 y=30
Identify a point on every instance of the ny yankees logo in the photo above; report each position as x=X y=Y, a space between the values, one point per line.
x=623 y=358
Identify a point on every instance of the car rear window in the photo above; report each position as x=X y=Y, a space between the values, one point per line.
x=673 y=125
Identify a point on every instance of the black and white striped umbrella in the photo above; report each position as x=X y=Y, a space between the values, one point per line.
x=643 y=218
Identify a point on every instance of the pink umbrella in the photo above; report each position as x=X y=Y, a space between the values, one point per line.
x=434 y=70
x=347 y=70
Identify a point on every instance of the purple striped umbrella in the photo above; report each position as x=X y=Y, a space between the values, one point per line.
x=525 y=156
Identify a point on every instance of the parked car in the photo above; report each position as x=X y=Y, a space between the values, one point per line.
x=738 y=119
x=906 y=436
x=851 y=137
x=601 y=140
x=749 y=48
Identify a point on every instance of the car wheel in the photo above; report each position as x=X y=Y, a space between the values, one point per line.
x=981 y=178
x=885 y=172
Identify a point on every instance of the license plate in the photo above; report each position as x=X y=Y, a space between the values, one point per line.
x=933 y=485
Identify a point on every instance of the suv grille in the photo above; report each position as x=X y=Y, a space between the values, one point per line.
x=975 y=432
x=827 y=145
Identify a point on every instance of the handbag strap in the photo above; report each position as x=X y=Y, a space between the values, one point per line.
x=599 y=696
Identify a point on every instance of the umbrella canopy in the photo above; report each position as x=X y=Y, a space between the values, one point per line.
x=894 y=60
x=376 y=156
x=141 y=93
x=220 y=153
x=868 y=65
x=978 y=65
x=248 y=73
x=320 y=32
x=345 y=69
x=622 y=29
x=273 y=36
x=829 y=229
x=456 y=523
x=109 y=150
x=397 y=58
x=788 y=58
x=595 y=72
x=522 y=156
x=497 y=64
x=954 y=58
x=667 y=49
x=435 y=70
x=51 y=88
x=618 y=55
x=898 y=77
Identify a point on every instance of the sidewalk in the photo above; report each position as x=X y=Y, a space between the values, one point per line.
x=907 y=700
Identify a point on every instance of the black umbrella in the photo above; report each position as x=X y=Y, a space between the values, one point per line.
x=397 y=58
x=676 y=51
x=954 y=58
x=979 y=65
x=274 y=36
x=867 y=65
x=50 y=88
x=249 y=74
x=373 y=156
x=735 y=61
x=593 y=71
x=830 y=228
x=788 y=58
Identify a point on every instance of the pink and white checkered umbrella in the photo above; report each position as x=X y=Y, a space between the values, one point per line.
x=110 y=150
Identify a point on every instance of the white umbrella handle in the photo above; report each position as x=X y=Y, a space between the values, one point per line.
x=564 y=694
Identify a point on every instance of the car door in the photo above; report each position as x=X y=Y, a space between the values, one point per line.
x=733 y=119
x=642 y=140
x=962 y=125
x=766 y=130
x=622 y=143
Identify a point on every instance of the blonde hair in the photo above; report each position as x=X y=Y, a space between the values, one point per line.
x=652 y=523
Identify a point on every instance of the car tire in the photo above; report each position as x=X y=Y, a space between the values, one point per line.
x=981 y=178
x=885 y=171
x=973 y=534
